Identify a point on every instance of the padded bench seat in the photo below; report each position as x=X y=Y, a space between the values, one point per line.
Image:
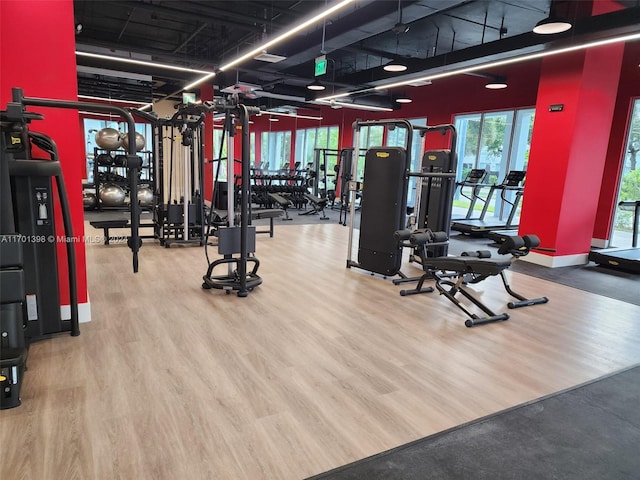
x=105 y=225
x=479 y=266
x=269 y=213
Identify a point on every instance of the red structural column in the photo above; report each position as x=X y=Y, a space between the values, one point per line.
x=37 y=54
x=568 y=151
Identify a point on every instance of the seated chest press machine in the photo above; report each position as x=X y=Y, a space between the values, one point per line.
x=452 y=274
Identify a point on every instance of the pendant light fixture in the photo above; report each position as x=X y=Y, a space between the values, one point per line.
x=399 y=28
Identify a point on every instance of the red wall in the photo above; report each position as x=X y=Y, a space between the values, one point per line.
x=37 y=45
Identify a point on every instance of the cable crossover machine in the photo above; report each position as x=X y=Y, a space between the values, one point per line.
x=383 y=209
x=234 y=239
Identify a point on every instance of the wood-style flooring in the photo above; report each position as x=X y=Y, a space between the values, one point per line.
x=319 y=366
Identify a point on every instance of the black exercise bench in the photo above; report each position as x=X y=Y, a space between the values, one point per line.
x=283 y=202
x=269 y=213
x=451 y=274
x=317 y=206
x=105 y=225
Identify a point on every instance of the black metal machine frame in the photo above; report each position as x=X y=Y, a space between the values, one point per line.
x=453 y=274
x=434 y=180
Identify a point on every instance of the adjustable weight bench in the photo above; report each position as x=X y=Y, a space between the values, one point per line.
x=451 y=274
x=317 y=206
x=283 y=202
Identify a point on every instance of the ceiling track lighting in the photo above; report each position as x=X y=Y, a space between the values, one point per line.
x=264 y=47
x=485 y=66
x=112 y=100
x=292 y=115
x=141 y=62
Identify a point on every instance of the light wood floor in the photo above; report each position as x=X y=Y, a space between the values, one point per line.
x=319 y=366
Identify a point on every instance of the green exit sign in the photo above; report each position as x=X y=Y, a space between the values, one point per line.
x=321 y=65
x=188 y=97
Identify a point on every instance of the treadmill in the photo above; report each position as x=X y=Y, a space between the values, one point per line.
x=481 y=227
x=474 y=179
x=622 y=258
x=500 y=236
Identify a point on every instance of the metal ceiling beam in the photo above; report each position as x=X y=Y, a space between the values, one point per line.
x=222 y=17
x=590 y=28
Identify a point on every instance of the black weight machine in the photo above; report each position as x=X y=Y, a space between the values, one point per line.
x=132 y=162
x=29 y=289
x=384 y=196
x=179 y=213
x=453 y=274
x=231 y=238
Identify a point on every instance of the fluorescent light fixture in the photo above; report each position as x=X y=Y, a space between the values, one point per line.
x=508 y=61
x=316 y=86
x=394 y=66
x=403 y=99
x=274 y=119
x=293 y=115
x=269 y=57
x=357 y=106
x=551 y=25
x=292 y=31
x=89 y=97
x=140 y=62
x=336 y=95
x=198 y=82
x=145 y=107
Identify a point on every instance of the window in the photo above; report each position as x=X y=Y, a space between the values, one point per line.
x=497 y=142
x=396 y=137
x=317 y=149
x=220 y=163
x=629 y=187
x=217 y=139
x=311 y=138
x=275 y=150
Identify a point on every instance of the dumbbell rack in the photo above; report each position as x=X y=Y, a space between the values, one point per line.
x=101 y=173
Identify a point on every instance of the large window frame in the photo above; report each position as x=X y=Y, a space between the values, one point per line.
x=497 y=141
x=629 y=183
x=275 y=151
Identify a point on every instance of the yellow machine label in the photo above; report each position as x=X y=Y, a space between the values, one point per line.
x=382 y=154
x=613 y=262
x=2 y=378
x=16 y=140
x=432 y=157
